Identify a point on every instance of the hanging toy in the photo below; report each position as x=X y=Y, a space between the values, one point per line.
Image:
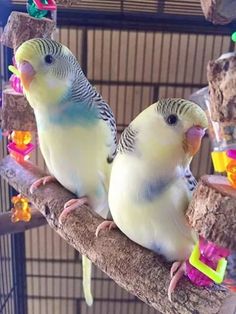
x=233 y=37
x=15 y=78
x=45 y=4
x=20 y=147
x=223 y=138
x=40 y=8
x=207 y=263
x=16 y=84
x=222 y=131
x=21 y=210
x=33 y=10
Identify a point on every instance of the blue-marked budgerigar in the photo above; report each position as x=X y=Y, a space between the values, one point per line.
x=151 y=183
x=76 y=127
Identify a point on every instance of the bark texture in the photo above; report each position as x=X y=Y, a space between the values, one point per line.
x=21 y=27
x=221 y=75
x=134 y=268
x=16 y=112
x=219 y=11
x=212 y=212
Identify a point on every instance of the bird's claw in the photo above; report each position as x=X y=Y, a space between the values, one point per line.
x=176 y=273
x=41 y=181
x=72 y=205
x=107 y=224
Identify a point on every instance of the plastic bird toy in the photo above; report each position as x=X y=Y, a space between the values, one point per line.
x=225 y=161
x=233 y=37
x=46 y=5
x=33 y=10
x=15 y=79
x=16 y=84
x=20 y=147
x=207 y=263
x=14 y=70
x=21 y=210
x=40 y=8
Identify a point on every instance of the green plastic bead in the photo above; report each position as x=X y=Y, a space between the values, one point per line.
x=34 y=11
x=233 y=37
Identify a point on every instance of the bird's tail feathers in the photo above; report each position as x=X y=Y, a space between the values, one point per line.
x=87 y=273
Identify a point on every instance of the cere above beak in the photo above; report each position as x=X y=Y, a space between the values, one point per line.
x=194 y=136
x=27 y=73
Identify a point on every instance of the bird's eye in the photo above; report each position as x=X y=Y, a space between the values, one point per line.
x=172 y=119
x=48 y=59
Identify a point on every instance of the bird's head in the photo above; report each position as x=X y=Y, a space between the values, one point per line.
x=46 y=69
x=172 y=128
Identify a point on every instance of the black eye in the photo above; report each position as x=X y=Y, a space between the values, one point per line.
x=48 y=59
x=172 y=119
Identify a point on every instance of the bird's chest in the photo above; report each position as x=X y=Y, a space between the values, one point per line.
x=70 y=155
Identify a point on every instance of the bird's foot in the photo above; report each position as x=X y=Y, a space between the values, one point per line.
x=107 y=224
x=72 y=205
x=177 y=271
x=41 y=181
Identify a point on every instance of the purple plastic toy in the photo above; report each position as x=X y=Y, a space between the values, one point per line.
x=210 y=255
x=16 y=84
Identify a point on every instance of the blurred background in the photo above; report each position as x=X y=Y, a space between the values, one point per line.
x=134 y=52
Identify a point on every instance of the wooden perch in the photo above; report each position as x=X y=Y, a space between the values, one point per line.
x=66 y=3
x=221 y=75
x=6 y=226
x=134 y=268
x=212 y=212
x=219 y=11
x=21 y=27
x=16 y=112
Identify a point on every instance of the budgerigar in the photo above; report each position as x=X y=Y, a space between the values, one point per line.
x=76 y=127
x=151 y=183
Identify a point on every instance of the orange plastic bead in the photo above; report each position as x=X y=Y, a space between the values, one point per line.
x=230 y=284
x=231 y=172
x=21 y=210
x=21 y=138
x=19 y=158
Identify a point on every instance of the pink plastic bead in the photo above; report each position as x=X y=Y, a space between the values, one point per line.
x=16 y=84
x=210 y=255
x=231 y=153
x=198 y=278
x=50 y=6
x=12 y=147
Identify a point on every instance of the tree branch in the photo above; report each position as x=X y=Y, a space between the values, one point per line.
x=139 y=271
x=212 y=212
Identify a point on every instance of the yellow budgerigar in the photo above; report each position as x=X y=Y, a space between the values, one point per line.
x=151 y=183
x=76 y=127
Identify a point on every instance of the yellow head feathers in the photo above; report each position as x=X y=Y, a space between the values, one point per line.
x=171 y=128
x=46 y=69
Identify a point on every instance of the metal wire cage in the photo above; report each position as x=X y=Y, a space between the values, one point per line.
x=134 y=52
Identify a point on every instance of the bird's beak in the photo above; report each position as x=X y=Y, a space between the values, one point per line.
x=27 y=73
x=193 y=138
